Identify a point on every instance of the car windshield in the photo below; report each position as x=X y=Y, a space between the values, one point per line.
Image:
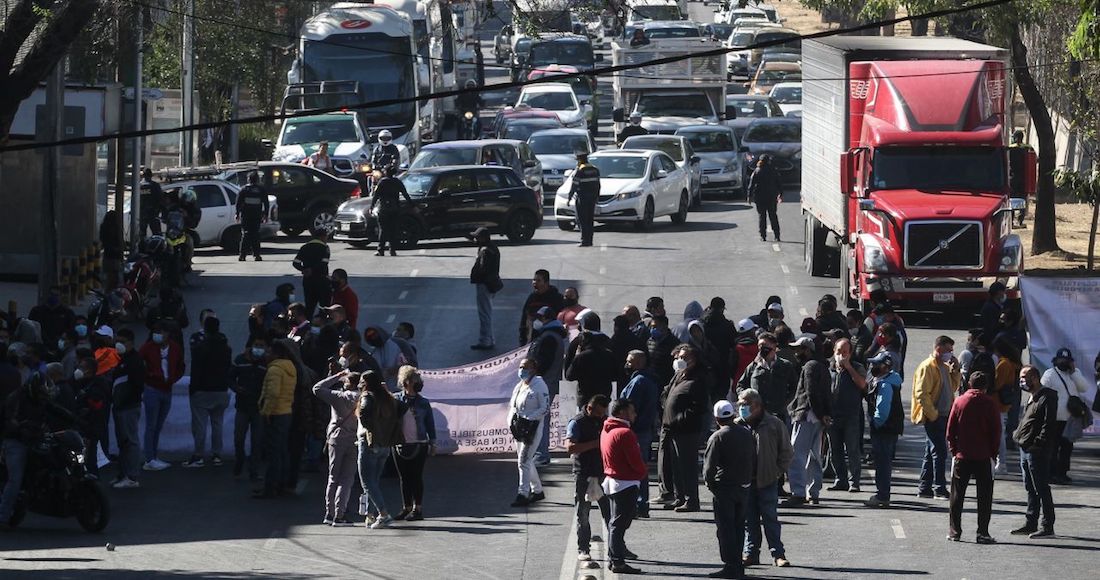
x=774 y=133
x=417 y=184
x=575 y=53
x=552 y=144
x=666 y=12
x=787 y=95
x=522 y=130
x=710 y=141
x=672 y=32
x=440 y=156
x=721 y=30
x=792 y=40
x=749 y=108
x=314 y=131
x=937 y=168
x=620 y=166
x=549 y=101
x=694 y=105
x=772 y=76
x=740 y=39
x=669 y=146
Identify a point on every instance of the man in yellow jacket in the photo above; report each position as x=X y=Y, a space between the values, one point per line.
x=276 y=402
x=934 y=386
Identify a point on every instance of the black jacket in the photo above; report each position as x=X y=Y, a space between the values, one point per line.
x=246 y=376
x=385 y=157
x=813 y=391
x=764 y=186
x=26 y=418
x=776 y=385
x=211 y=360
x=388 y=194
x=551 y=298
x=312 y=259
x=486 y=268
x=589 y=463
x=686 y=404
x=129 y=381
x=252 y=206
x=1038 y=430
x=630 y=131
x=862 y=341
x=595 y=368
x=660 y=356
x=586 y=182
x=93 y=405
x=730 y=458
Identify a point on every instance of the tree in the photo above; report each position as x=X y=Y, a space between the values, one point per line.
x=35 y=36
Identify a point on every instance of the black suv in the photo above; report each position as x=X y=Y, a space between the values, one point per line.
x=307 y=197
x=450 y=202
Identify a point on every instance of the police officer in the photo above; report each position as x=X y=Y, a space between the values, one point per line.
x=634 y=128
x=252 y=207
x=586 y=186
x=152 y=203
x=386 y=155
x=764 y=191
x=387 y=200
x=312 y=261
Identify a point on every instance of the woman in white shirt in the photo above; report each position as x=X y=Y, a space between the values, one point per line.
x=1066 y=380
x=320 y=159
x=530 y=403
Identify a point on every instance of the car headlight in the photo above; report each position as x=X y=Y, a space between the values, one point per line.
x=874 y=259
x=627 y=195
x=1012 y=254
x=731 y=167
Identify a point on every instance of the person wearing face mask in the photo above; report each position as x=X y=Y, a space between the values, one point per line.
x=775 y=315
x=660 y=345
x=773 y=458
x=106 y=356
x=93 y=405
x=571 y=307
x=887 y=339
x=860 y=336
x=727 y=471
x=1065 y=379
x=164 y=367
x=385 y=352
x=582 y=441
x=1037 y=437
x=312 y=261
x=1012 y=329
x=692 y=312
x=811 y=413
x=887 y=423
x=53 y=316
x=644 y=392
x=623 y=471
x=410 y=456
x=66 y=352
x=299 y=322
x=547 y=349
x=685 y=406
x=530 y=403
x=992 y=309
x=849 y=385
x=341 y=392
x=404 y=334
x=543 y=294
x=745 y=347
x=130 y=384
x=338 y=320
x=246 y=378
x=344 y=295
x=352 y=357
x=593 y=364
x=284 y=297
x=934 y=385
x=772 y=377
x=208 y=392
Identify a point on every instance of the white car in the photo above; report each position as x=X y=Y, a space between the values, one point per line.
x=558 y=98
x=218 y=201
x=789 y=97
x=636 y=186
x=682 y=153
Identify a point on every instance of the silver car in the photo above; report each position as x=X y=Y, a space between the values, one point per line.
x=557 y=150
x=721 y=158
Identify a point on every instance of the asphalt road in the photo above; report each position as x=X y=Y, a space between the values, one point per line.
x=201 y=524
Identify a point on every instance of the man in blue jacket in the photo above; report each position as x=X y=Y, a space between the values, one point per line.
x=887 y=423
x=642 y=389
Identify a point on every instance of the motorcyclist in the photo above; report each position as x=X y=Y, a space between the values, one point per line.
x=175 y=236
x=386 y=156
x=387 y=200
x=470 y=102
x=633 y=129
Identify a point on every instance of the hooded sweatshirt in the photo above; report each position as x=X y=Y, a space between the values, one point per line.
x=595 y=368
x=692 y=312
x=622 y=458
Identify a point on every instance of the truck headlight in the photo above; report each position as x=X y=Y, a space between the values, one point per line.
x=874 y=259
x=1012 y=254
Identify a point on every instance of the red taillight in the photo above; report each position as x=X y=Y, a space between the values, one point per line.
x=356 y=193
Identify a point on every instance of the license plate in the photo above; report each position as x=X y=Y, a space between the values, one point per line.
x=343 y=227
x=554 y=181
x=943 y=297
x=706 y=180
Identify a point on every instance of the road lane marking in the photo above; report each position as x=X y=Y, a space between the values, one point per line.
x=413 y=273
x=423 y=251
x=403 y=295
x=899 y=532
x=794 y=290
x=603 y=270
x=803 y=312
x=391 y=318
x=603 y=247
x=601 y=291
x=271 y=542
x=776 y=247
x=785 y=269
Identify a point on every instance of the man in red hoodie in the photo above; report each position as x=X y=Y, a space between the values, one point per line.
x=974 y=439
x=164 y=367
x=624 y=471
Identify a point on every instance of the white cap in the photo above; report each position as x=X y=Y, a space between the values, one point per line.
x=776 y=307
x=803 y=341
x=105 y=331
x=723 y=409
x=745 y=325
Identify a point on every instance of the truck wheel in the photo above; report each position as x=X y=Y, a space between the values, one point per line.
x=816 y=252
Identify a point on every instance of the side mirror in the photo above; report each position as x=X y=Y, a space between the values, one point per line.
x=742 y=149
x=403 y=167
x=530 y=163
x=599 y=58
x=267 y=144
x=618 y=116
x=694 y=159
x=867 y=204
x=731 y=112
x=661 y=174
x=846 y=184
x=1017 y=204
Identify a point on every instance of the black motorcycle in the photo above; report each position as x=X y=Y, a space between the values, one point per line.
x=470 y=128
x=57 y=483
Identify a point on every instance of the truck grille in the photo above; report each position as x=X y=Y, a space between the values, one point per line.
x=943 y=245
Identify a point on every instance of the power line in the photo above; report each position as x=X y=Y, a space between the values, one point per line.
x=498 y=86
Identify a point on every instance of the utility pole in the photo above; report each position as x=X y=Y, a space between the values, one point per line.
x=139 y=101
x=187 y=82
x=235 y=104
x=55 y=131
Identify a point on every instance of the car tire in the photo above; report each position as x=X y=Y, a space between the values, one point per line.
x=231 y=239
x=681 y=214
x=408 y=234
x=322 y=216
x=565 y=225
x=697 y=196
x=521 y=226
x=647 y=216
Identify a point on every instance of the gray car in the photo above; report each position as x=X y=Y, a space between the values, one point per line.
x=557 y=150
x=721 y=158
x=782 y=139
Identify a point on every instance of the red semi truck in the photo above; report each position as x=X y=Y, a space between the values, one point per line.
x=905 y=173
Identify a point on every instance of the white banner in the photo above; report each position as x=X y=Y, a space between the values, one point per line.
x=1063 y=313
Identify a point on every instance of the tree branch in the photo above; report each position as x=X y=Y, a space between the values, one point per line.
x=17 y=28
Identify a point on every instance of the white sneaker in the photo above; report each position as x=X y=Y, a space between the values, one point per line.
x=125 y=483
x=369 y=522
x=381 y=522
x=150 y=466
x=161 y=464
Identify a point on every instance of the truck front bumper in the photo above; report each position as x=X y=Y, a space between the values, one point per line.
x=940 y=290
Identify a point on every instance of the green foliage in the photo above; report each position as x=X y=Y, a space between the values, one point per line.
x=1084 y=43
x=1083 y=185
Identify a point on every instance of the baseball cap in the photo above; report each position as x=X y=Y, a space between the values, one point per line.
x=723 y=410
x=544 y=311
x=105 y=331
x=1064 y=353
x=997 y=287
x=776 y=307
x=745 y=325
x=803 y=341
x=882 y=358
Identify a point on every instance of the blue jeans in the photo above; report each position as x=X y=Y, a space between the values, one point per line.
x=763 y=508
x=582 y=507
x=276 y=433
x=484 y=315
x=844 y=447
x=806 y=466
x=934 y=468
x=157 y=404
x=542 y=454
x=15 y=459
x=1035 y=467
x=882 y=449
x=372 y=460
x=645 y=442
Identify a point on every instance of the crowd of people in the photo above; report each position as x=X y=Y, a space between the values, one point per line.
x=771 y=406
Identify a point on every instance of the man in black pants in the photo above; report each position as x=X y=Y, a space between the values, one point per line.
x=387 y=200
x=685 y=409
x=252 y=207
x=765 y=191
x=727 y=470
x=1037 y=437
x=586 y=188
x=582 y=441
x=624 y=471
x=312 y=262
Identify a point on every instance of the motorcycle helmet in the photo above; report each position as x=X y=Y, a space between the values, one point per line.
x=471 y=83
x=384 y=136
x=188 y=196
